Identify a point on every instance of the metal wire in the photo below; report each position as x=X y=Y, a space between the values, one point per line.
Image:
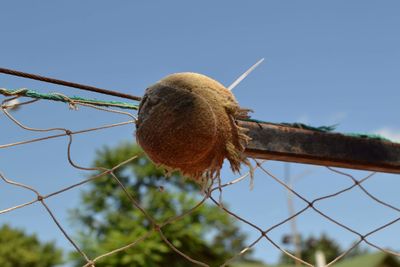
x=68 y=84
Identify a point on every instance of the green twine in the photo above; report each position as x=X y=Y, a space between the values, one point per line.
x=299 y=125
x=127 y=105
x=325 y=129
x=369 y=136
x=71 y=100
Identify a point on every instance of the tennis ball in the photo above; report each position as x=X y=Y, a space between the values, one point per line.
x=186 y=122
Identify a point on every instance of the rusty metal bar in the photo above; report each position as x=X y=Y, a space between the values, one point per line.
x=68 y=84
x=276 y=142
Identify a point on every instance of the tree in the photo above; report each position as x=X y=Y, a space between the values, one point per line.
x=310 y=246
x=108 y=220
x=17 y=249
x=324 y=244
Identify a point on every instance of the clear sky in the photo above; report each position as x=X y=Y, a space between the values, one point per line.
x=326 y=62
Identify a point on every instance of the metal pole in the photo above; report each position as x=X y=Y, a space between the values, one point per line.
x=293 y=224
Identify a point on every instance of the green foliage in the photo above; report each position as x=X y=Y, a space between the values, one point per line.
x=108 y=220
x=310 y=246
x=323 y=243
x=18 y=249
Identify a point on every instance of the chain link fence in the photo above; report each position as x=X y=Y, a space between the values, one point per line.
x=211 y=195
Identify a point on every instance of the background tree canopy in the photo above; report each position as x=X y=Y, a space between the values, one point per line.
x=309 y=246
x=17 y=249
x=108 y=220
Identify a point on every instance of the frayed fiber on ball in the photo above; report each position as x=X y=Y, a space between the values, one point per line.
x=187 y=122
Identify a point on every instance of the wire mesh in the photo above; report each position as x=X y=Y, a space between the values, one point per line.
x=211 y=194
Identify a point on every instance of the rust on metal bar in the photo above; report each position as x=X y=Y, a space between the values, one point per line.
x=68 y=84
x=283 y=143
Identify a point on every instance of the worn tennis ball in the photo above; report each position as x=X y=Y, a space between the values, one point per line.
x=186 y=122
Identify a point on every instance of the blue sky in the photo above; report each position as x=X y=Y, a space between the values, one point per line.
x=326 y=62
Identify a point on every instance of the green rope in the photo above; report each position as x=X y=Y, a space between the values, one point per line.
x=369 y=136
x=324 y=129
x=127 y=105
x=67 y=99
x=299 y=125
